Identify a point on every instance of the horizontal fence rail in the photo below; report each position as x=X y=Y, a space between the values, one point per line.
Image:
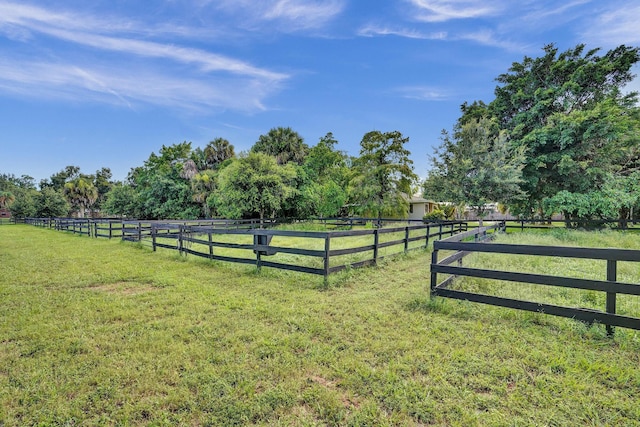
x=542 y=224
x=206 y=242
x=610 y=286
x=252 y=241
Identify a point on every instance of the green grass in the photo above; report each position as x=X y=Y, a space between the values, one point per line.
x=627 y=272
x=97 y=332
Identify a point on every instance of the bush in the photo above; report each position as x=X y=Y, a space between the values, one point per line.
x=434 y=215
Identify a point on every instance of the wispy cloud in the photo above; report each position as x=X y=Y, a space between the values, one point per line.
x=445 y=10
x=211 y=80
x=618 y=24
x=118 y=87
x=484 y=37
x=542 y=11
x=423 y=93
x=375 y=30
x=288 y=15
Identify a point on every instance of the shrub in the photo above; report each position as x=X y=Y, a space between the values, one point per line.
x=434 y=215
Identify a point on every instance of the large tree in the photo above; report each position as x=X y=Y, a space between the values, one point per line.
x=50 y=203
x=475 y=166
x=163 y=184
x=384 y=176
x=102 y=182
x=325 y=180
x=285 y=144
x=81 y=194
x=6 y=199
x=570 y=114
x=59 y=179
x=254 y=185
x=121 y=201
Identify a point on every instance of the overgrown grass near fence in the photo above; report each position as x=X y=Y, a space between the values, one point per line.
x=627 y=272
x=99 y=332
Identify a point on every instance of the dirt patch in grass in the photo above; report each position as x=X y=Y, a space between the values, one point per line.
x=124 y=288
x=347 y=401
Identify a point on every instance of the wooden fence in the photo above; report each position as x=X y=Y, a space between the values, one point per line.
x=206 y=238
x=538 y=224
x=134 y=230
x=206 y=242
x=610 y=286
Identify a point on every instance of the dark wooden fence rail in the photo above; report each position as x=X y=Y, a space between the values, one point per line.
x=182 y=238
x=610 y=286
x=182 y=235
x=539 y=224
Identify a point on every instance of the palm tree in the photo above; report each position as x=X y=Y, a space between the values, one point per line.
x=6 y=199
x=81 y=193
x=285 y=144
x=217 y=151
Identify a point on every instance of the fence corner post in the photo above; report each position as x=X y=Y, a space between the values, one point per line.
x=434 y=275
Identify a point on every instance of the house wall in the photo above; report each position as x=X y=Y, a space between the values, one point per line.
x=419 y=210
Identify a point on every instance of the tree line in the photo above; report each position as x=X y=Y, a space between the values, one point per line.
x=561 y=136
x=280 y=176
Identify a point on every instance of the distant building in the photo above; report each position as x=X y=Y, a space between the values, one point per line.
x=419 y=207
x=5 y=213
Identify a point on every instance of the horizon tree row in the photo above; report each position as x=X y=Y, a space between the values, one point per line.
x=280 y=176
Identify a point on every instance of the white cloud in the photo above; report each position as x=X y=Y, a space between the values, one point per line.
x=121 y=87
x=615 y=26
x=445 y=10
x=374 y=30
x=210 y=79
x=288 y=15
x=423 y=93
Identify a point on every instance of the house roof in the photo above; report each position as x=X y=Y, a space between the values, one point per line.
x=420 y=200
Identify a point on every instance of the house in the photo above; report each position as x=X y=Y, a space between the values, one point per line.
x=419 y=207
x=5 y=213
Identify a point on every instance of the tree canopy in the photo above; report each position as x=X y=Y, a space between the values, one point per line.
x=255 y=185
x=285 y=144
x=569 y=113
x=385 y=176
x=476 y=166
x=569 y=117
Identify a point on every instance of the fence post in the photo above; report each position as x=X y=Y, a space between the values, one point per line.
x=440 y=232
x=327 y=247
x=375 y=245
x=426 y=240
x=256 y=240
x=611 y=296
x=153 y=236
x=406 y=239
x=210 y=246
x=434 y=275
x=180 y=239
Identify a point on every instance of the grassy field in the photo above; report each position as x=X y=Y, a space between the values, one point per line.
x=97 y=332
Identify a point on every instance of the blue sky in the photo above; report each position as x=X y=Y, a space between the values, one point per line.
x=105 y=83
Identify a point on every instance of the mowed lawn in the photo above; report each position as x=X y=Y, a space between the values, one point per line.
x=98 y=332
